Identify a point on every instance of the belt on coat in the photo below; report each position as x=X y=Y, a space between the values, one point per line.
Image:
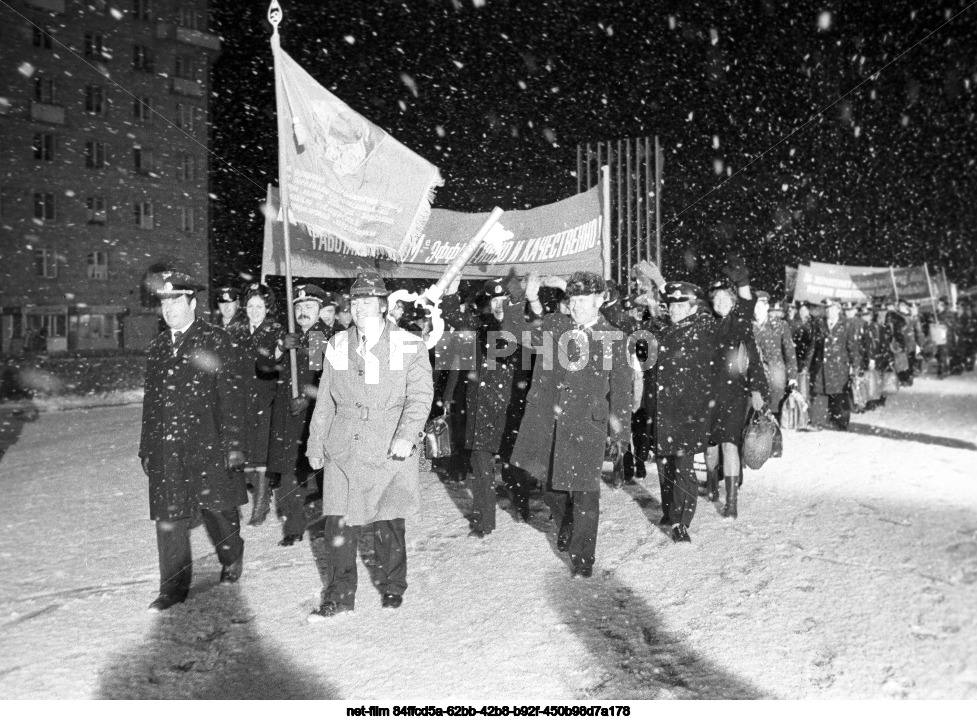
x=363 y=412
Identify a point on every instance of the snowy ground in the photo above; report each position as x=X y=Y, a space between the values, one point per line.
x=851 y=573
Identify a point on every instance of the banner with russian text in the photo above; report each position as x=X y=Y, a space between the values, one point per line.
x=555 y=239
x=859 y=284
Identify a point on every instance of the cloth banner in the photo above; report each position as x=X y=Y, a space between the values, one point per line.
x=346 y=179
x=555 y=239
x=818 y=281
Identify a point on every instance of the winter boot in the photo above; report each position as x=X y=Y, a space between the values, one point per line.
x=712 y=484
x=262 y=501
x=732 y=489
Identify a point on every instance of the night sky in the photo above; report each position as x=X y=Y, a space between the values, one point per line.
x=498 y=93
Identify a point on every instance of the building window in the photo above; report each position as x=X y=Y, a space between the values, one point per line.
x=95 y=101
x=187 y=220
x=94 y=154
x=42 y=38
x=185 y=115
x=142 y=10
x=144 y=216
x=142 y=159
x=96 y=210
x=44 y=145
x=142 y=59
x=98 y=265
x=45 y=263
x=44 y=206
x=190 y=17
x=142 y=109
x=45 y=91
x=188 y=168
x=95 y=46
x=183 y=67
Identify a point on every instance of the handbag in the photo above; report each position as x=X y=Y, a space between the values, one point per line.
x=794 y=413
x=759 y=438
x=437 y=438
x=804 y=383
x=900 y=361
x=857 y=393
x=873 y=385
x=890 y=383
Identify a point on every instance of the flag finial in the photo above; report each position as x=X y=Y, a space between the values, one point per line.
x=275 y=14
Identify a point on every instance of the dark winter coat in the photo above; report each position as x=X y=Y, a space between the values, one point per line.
x=802 y=333
x=833 y=356
x=259 y=383
x=571 y=413
x=686 y=377
x=286 y=444
x=191 y=420
x=497 y=388
x=776 y=345
x=739 y=371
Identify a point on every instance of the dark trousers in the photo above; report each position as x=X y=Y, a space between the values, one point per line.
x=634 y=461
x=335 y=555
x=577 y=513
x=483 y=490
x=676 y=478
x=942 y=361
x=290 y=498
x=173 y=543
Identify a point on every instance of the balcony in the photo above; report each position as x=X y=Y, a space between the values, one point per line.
x=193 y=88
x=51 y=6
x=44 y=113
x=198 y=38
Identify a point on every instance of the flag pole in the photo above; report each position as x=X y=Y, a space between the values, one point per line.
x=929 y=286
x=605 y=206
x=895 y=288
x=658 y=204
x=275 y=17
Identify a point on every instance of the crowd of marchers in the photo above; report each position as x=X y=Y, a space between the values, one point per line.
x=243 y=406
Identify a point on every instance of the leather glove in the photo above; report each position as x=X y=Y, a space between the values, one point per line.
x=615 y=451
x=145 y=465
x=235 y=460
x=791 y=386
x=736 y=271
x=400 y=449
x=292 y=341
x=298 y=406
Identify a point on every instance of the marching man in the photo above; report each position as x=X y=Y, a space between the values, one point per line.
x=374 y=398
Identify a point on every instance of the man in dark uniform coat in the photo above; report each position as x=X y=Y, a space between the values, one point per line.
x=832 y=359
x=684 y=403
x=579 y=396
x=232 y=315
x=290 y=416
x=191 y=436
x=496 y=398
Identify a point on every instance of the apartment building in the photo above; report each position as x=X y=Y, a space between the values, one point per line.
x=103 y=164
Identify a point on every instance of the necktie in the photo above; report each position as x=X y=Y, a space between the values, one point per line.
x=177 y=337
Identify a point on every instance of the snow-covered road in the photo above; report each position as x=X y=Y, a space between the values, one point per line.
x=851 y=572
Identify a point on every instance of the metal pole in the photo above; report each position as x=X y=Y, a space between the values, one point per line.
x=620 y=219
x=605 y=204
x=600 y=162
x=284 y=135
x=658 y=207
x=627 y=199
x=647 y=196
x=929 y=286
x=638 y=244
x=579 y=169
x=589 y=163
x=895 y=288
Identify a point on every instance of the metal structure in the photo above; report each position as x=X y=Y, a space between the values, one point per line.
x=634 y=198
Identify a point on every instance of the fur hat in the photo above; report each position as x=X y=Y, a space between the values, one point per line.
x=584 y=282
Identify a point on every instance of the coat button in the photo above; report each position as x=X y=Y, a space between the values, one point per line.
x=356 y=436
x=359 y=405
x=360 y=372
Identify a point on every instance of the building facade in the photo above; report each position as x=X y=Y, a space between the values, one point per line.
x=104 y=165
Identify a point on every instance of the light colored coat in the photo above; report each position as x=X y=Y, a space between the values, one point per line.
x=356 y=421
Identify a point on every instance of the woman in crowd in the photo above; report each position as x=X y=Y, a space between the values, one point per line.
x=739 y=382
x=776 y=345
x=256 y=340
